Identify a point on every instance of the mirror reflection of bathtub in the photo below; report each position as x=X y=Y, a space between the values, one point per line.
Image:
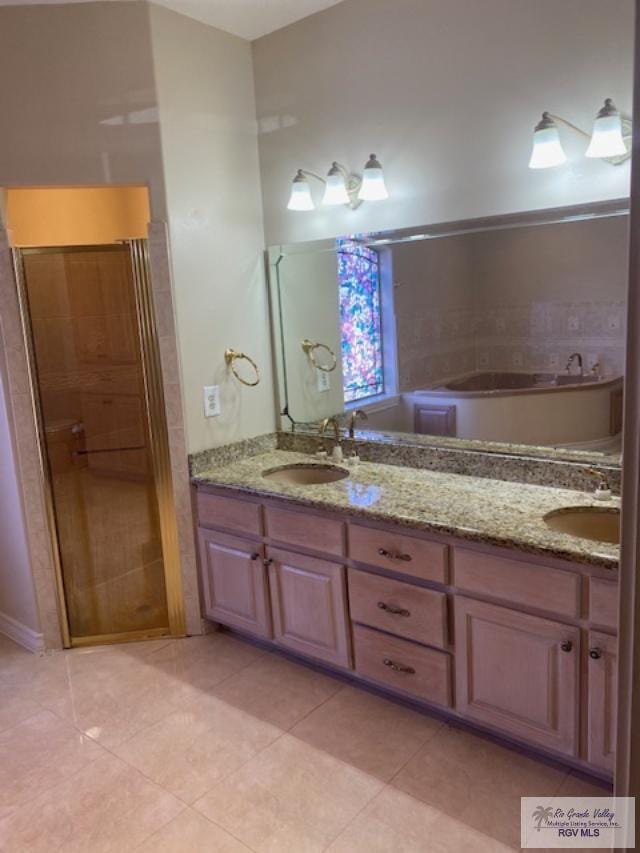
x=584 y=412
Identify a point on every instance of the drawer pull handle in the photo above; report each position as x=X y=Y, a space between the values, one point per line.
x=393 y=610
x=399 y=667
x=595 y=654
x=394 y=555
x=567 y=646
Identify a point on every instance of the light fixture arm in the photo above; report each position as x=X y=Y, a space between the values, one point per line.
x=569 y=124
x=305 y=173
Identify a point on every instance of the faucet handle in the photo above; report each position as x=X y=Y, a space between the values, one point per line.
x=603 y=489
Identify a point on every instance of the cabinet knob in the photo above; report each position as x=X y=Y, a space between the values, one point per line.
x=595 y=654
x=398 y=667
x=567 y=646
x=392 y=609
x=255 y=556
x=394 y=555
x=268 y=562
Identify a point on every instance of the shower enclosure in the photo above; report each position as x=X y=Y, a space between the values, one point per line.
x=97 y=394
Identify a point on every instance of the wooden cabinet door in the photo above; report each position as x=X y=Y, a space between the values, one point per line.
x=308 y=598
x=518 y=673
x=603 y=678
x=234 y=582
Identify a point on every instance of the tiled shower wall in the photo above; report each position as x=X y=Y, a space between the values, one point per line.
x=522 y=300
x=541 y=337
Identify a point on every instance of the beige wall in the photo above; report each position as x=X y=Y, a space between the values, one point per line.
x=17 y=594
x=446 y=92
x=78 y=100
x=207 y=113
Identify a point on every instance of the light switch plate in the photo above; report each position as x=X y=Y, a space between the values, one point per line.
x=324 y=383
x=211 y=401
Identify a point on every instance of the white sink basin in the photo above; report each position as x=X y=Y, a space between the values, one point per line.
x=600 y=524
x=306 y=475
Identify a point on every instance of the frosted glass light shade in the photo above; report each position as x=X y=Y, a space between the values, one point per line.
x=300 y=198
x=547 y=150
x=335 y=191
x=373 y=187
x=606 y=139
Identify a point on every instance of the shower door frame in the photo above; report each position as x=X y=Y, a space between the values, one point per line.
x=158 y=440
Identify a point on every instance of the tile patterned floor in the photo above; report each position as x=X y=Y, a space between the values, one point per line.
x=209 y=745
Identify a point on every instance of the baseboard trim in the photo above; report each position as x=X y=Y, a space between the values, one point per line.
x=21 y=634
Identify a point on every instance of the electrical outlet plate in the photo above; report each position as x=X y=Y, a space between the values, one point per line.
x=323 y=380
x=211 y=401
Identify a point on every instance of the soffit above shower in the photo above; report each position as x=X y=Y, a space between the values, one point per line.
x=248 y=19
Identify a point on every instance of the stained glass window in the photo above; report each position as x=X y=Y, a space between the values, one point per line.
x=360 y=320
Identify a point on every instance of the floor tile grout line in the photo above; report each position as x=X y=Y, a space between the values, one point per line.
x=31 y=797
x=176 y=708
x=357 y=814
x=160 y=828
x=316 y=708
x=436 y=731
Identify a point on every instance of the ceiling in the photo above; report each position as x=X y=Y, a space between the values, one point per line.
x=248 y=19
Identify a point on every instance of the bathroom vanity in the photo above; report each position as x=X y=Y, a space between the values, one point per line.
x=444 y=589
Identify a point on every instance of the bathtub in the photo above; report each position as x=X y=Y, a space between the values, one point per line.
x=522 y=408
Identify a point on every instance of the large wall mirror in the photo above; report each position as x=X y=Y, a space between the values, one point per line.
x=505 y=331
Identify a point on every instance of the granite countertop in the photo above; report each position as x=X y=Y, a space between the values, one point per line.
x=495 y=512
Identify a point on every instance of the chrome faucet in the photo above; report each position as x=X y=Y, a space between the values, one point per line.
x=575 y=356
x=355 y=414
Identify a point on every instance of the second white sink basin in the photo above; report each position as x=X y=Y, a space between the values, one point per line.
x=306 y=475
x=600 y=524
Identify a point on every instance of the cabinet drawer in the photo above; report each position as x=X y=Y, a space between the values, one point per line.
x=423 y=673
x=517 y=582
x=229 y=514
x=407 y=554
x=603 y=603
x=399 y=608
x=305 y=530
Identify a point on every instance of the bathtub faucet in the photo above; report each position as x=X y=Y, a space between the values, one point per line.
x=575 y=356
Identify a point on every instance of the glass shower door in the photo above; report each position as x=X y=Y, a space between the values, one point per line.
x=96 y=435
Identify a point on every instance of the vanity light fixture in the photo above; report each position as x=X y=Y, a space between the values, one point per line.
x=373 y=186
x=335 y=187
x=301 y=198
x=340 y=186
x=547 y=149
x=606 y=139
x=610 y=140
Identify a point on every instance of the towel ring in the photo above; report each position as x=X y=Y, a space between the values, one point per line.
x=230 y=357
x=309 y=347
